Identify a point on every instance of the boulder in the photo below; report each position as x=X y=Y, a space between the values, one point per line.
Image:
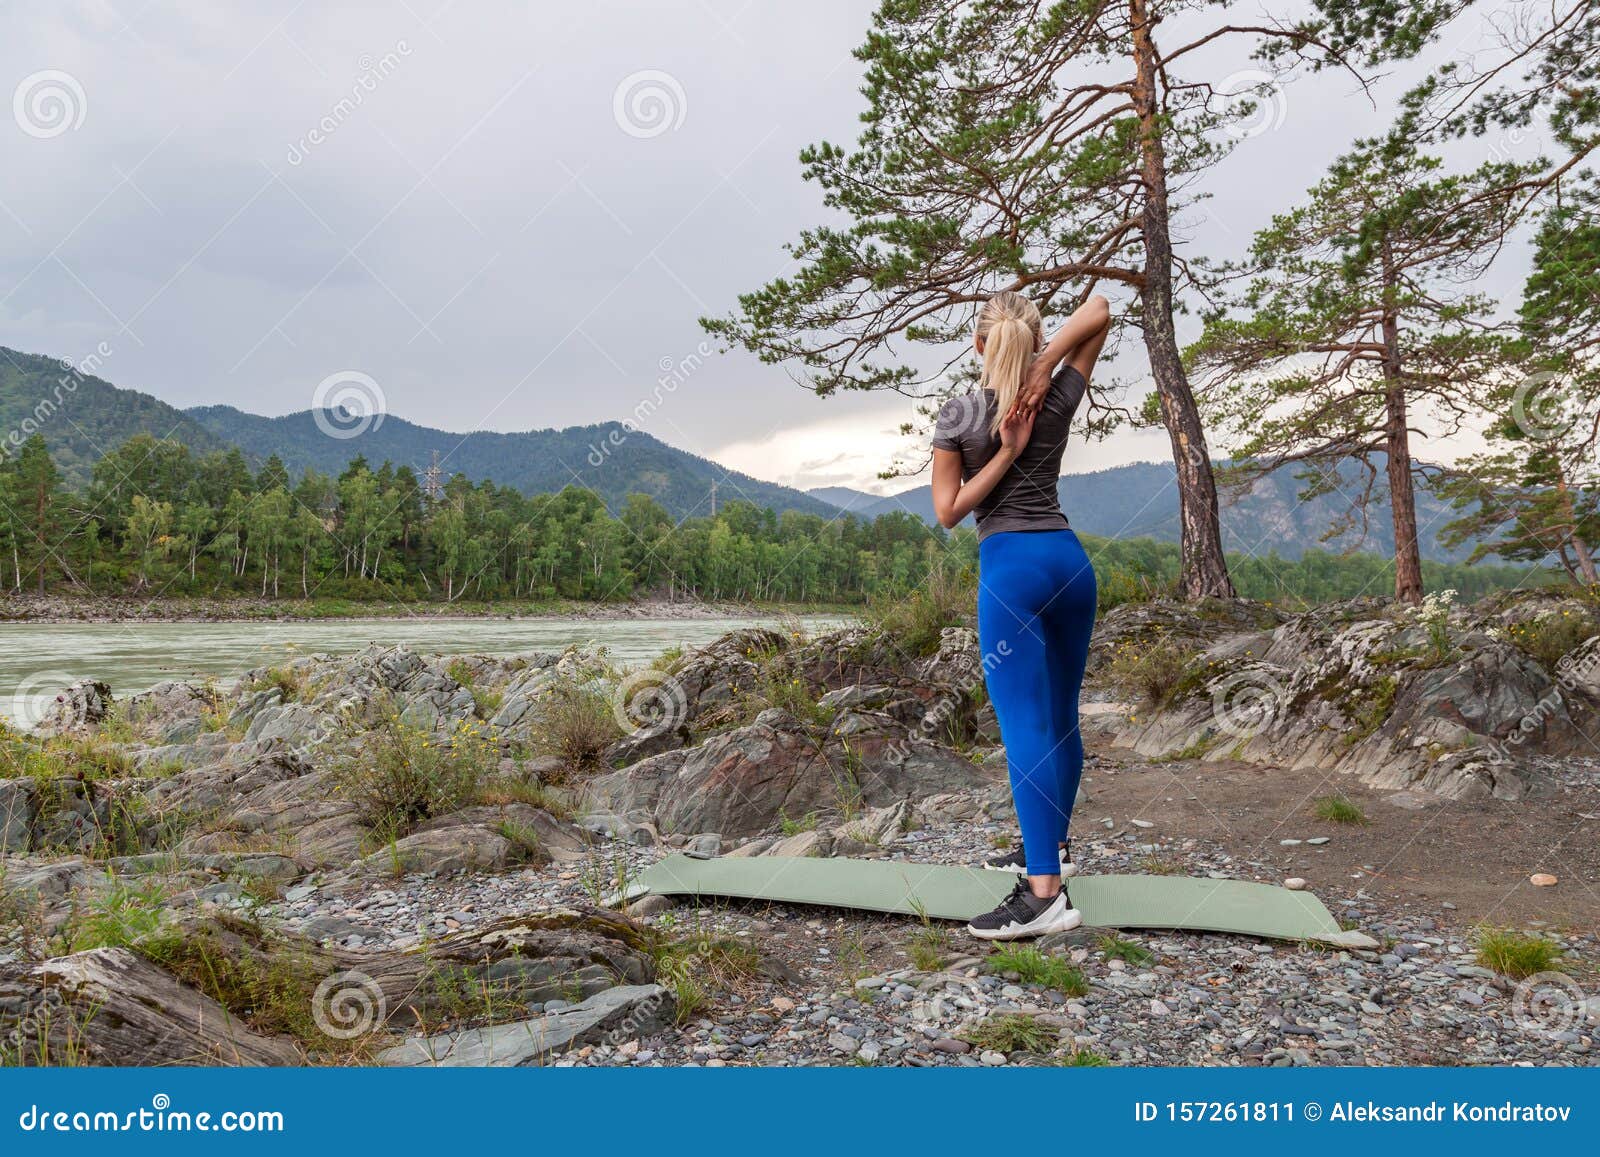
x=18 y=810
x=171 y=712
x=78 y=707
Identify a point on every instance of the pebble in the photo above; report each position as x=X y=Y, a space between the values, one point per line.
x=1318 y=841
x=1295 y=884
x=1542 y=880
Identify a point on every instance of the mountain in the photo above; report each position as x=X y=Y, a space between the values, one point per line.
x=1141 y=501
x=82 y=416
x=845 y=498
x=607 y=458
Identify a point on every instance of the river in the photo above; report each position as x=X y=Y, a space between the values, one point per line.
x=38 y=659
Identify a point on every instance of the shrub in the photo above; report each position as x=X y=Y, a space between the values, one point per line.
x=121 y=916
x=700 y=963
x=1551 y=638
x=1116 y=948
x=400 y=775
x=1151 y=673
x=914 y=620
x=285 y=680
x=576 y=724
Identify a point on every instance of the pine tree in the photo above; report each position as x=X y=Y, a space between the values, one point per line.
x=1353 y=326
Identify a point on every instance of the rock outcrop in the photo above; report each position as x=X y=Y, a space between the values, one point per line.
x=744 y=781
x=1457 y=709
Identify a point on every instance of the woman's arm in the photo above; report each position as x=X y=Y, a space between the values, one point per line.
x=953 y=501
x=1079 y=338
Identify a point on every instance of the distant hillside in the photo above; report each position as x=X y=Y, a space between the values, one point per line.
x=606 y=458
x=1141 y=501
x=82 y=416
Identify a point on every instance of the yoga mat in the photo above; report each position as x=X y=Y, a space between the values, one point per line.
x=943 y=892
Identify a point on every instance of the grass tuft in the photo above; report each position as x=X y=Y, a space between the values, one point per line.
x=1012 y=1032
x=1116 y=948
x=1336 y=809
x=1036 y=968
x=1515 y=954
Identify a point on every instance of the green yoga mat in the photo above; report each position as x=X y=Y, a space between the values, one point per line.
x=949 y=893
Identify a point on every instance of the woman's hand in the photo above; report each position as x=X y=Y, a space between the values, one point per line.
x=1015 y=430
x=1035 y=385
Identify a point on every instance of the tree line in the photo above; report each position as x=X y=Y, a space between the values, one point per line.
x=156 y=519
x=1048 y=148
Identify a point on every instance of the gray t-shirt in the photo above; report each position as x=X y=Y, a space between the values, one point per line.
x=1025 y=497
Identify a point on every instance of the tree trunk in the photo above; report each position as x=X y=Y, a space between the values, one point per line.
x=1580 y=548
x=1397 y=445
x=1585 y=560
x=1204 y=571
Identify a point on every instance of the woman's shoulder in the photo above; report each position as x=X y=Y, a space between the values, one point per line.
x=962 y=419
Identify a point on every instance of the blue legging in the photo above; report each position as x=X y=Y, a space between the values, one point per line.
x=1036 y=603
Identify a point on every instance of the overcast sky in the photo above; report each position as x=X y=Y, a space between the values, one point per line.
x=509 y=216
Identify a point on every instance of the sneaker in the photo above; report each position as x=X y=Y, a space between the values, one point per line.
x=1023 y=914
x=1018 y=863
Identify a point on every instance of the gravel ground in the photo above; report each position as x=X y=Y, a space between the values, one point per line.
x=841 y=988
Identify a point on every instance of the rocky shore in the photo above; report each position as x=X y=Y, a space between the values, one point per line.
x=405 y=859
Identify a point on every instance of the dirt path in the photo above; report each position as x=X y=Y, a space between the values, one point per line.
x=1413 y=850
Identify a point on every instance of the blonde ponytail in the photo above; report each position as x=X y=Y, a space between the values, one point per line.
x=1012 y=331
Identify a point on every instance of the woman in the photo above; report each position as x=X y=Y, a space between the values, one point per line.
x=997 y=453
